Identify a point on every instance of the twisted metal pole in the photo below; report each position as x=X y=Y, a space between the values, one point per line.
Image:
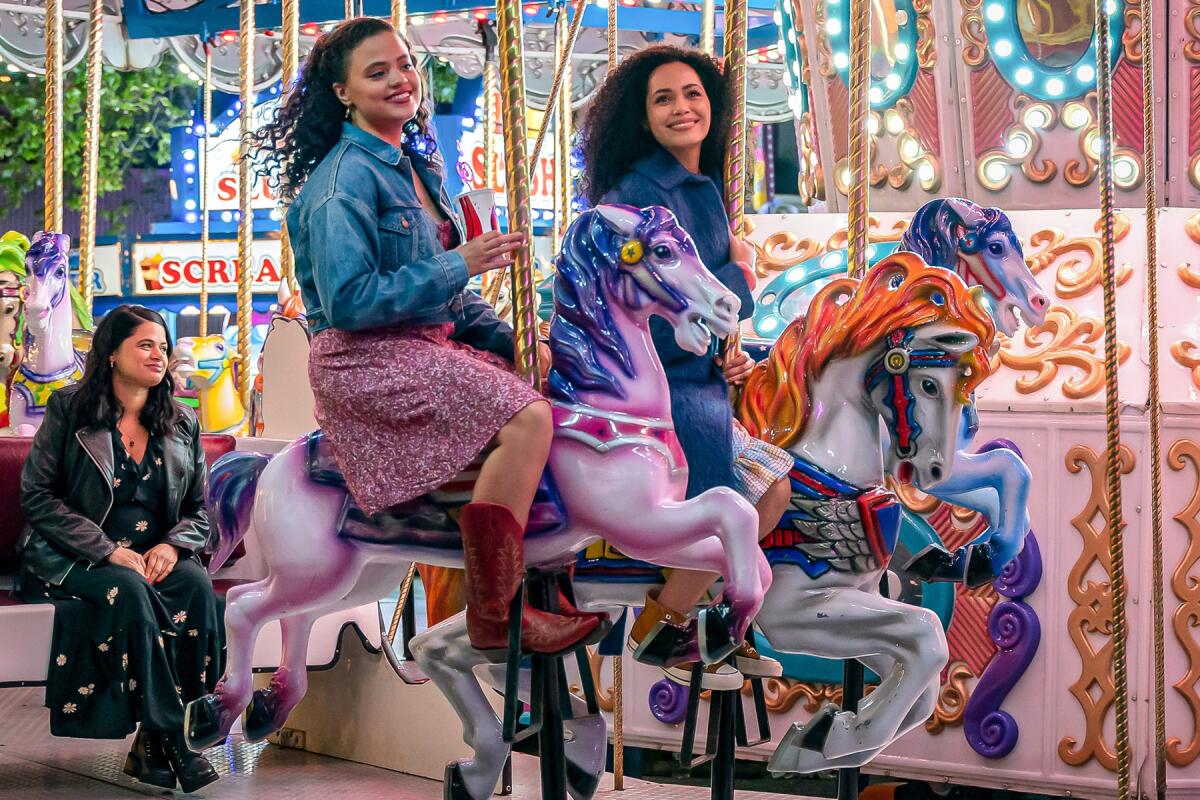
x=613 y=32
x=735 y=152
x=1112 y=409
x=516 y=164
x=246 y=220
x=1156 y=499
x=291 y=65
x=52 y=184
x=562 y=66
x=91 y=152
x=859 y=155
x=708 y=21
x=204 y=224
x=400 y=16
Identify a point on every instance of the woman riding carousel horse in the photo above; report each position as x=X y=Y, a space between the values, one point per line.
x=411 y=371
x=655 y=135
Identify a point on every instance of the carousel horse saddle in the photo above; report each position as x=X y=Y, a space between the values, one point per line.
x=430 y=520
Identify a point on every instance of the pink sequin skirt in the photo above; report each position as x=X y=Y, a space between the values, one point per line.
x=406 y=408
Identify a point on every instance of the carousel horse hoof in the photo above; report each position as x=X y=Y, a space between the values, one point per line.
x=716 y=638
x=258 y=720
x=581 y=784
x=935 y=564
x=816 y=731
x=979 y=570
x=202 y=723
x=454 y=787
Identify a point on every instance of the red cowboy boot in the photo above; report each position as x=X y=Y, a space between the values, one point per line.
x=494 y=560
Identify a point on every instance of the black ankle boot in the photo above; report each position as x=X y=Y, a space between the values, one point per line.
x=147 y=763
x=192 y=769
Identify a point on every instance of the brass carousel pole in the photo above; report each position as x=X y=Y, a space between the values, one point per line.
x=91 y=151
x=613 y=32
x=53 y=195
x=708 y=20
x=291 y=64
x=516 y=165
x=860 y=112
x=735 y=153
x=246 y=220
x=399 y=16
x=204 y=232
x=562 y=127
x=562 y=61
x=1112 y=409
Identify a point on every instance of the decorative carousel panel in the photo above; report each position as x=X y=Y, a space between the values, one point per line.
x=1028 y=76
x=1182 y=39
x=1058 y=366
x=1179 y=298
x=913 y=137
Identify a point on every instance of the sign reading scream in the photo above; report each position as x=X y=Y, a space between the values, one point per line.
x=176 y=267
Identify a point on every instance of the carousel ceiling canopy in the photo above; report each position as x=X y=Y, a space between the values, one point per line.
x=146 y=19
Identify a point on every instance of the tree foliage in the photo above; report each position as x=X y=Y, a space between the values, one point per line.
x=137 y=112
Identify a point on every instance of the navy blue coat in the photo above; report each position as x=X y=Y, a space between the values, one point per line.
x=699 y=393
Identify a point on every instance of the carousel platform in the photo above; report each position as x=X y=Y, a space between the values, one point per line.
x=36 y=766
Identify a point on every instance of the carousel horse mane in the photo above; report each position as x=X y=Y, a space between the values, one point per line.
x=846 y=319
x=583 y=327
x=934 y=233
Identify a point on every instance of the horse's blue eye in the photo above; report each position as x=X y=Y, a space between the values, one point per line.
x=938 y=299
x=995 y=248
x=895 y=282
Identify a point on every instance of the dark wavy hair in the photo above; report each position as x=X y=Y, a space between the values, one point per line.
x=615 y=132
x=309 y=120
x=98 y=406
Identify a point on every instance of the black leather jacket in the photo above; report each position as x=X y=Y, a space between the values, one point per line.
x=66 y=491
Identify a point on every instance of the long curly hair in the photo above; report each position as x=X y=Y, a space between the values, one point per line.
x=98 y=405
x=309 y=121
x=615 y=132
x=848 y=318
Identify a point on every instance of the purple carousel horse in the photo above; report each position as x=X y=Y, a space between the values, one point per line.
x=615 y=472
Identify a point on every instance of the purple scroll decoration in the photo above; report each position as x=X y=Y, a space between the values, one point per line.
x=668 y=702
x=1015 y=629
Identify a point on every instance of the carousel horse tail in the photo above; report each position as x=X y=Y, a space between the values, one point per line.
x=231 y=484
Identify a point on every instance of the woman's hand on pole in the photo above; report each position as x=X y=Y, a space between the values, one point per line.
x=489 y=251
x=736 y=366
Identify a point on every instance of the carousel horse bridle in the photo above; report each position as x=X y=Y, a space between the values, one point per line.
x=895 y=366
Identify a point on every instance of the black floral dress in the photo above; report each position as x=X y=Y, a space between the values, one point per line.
x=130 y=652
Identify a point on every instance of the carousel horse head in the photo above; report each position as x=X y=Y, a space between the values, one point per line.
x=620 y=265
x=204 y=360
x=979 y=244
x=13 y=247
x=47 y=280
x=918 y=340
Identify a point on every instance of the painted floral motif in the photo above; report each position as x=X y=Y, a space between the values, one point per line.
x=141 y=526
x=70 y=708
x=86 y=690
x=61 y=660
x=179 y=618
x=102 y=647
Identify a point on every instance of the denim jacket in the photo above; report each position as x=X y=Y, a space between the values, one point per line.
x=699 y=393
x=368 y=255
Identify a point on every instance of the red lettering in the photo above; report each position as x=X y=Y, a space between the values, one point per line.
x=547 y=165
x=227 y=188
x=192 y=272
x=267 y=273
x=168 y=272
x=219 y=271
x=478 y=168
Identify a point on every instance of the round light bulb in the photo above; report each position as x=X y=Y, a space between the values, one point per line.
x=995 y=12
x=1003 y=48
x=1024 y=76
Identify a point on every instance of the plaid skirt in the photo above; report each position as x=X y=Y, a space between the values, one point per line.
x=757 y=465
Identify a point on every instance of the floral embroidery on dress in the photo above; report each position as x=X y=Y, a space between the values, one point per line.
x=112 y=595
x=61 y=660
x=207 y=660
x=86 y=690
x=193 y=632
x=158 y=462
x=124 y=660
x=132 y=684
x=70 y=708
x=179 y=618
x=102 y=647
x=116 y=483
x=160 y=642
x=141 y=526
x=146 y=477
x=204 y=676
x=125 y=543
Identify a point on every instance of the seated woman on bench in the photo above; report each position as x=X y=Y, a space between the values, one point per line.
x=113 y=490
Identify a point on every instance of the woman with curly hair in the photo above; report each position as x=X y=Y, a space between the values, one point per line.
x=411 y=371
x=655 y=135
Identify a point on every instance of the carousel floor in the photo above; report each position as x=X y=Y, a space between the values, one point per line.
x=36 y=766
